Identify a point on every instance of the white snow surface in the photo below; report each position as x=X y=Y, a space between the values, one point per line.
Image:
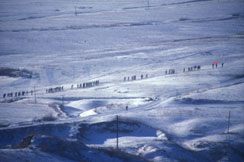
x=187 y=116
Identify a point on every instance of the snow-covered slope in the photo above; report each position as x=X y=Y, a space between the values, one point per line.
x=192 y=115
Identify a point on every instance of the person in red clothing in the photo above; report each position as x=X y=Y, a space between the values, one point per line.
x=215 y=63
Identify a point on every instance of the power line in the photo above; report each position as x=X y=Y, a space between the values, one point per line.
x=117 y=132
x=35 y=93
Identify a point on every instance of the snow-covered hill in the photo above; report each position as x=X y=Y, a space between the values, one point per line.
x=68 y=70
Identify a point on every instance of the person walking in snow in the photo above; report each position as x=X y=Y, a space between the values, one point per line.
x=198 y=67
x=195 y=68
x=222 y=64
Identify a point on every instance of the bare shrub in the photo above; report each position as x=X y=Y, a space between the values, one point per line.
x=48 y=117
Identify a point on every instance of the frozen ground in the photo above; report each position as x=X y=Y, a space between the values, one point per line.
x=178 y=117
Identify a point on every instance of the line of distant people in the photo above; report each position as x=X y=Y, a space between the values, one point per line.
x=51 y=90
x=215 y=65
x=18 y=94
x=56 y=89
x=192 y=68
x=143 y=76
x=96 y=83
x=86 y=85
x=170 y=71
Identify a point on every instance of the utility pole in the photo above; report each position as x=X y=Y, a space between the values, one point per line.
x=73 y=72
x=228 y=123
x=63 y=100
x=75 y=11
x=35 y=93
x=117 y=124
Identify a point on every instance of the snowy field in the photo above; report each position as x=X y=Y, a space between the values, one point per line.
x=195 y=114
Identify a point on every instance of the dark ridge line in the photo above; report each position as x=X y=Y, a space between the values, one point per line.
x=119 y=25
x=188 y=100
x=135 y=24
x=212 y=20
x=186 y=2
x=85 y=98
x=46 y=16
x=169 y=4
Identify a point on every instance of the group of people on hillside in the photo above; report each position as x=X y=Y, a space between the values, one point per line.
x=18 y=94
x=134 y=77
x=56 y=89
x=86 y=85
x=96 y=83
x=215 y=64
x=170 y=71
x=192 y=68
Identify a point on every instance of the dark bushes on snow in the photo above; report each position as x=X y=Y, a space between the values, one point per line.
x=49 y=117
x=17 y=73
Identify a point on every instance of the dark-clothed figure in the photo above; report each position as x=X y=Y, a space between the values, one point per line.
x=198 y=67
